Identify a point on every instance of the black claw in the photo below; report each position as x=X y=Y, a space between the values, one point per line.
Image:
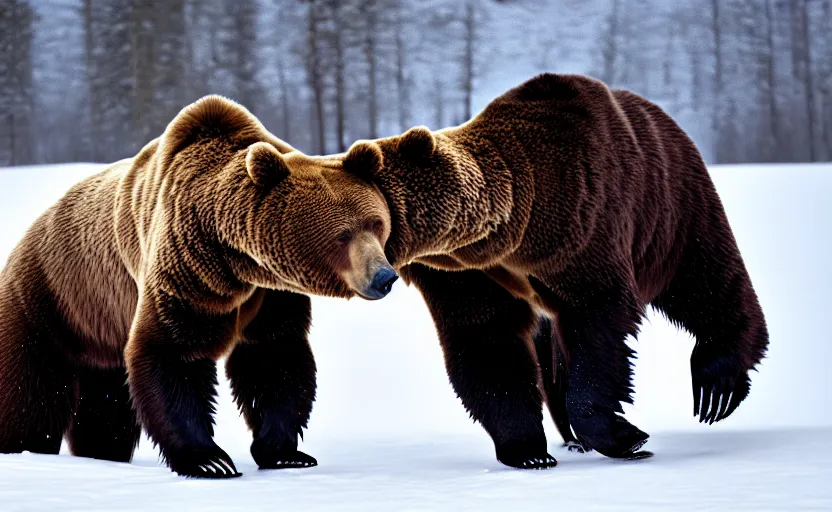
x=706 y=404
x=576 y=447
x=545 y=462
x=715 y=405
x=697 y=392
x=643 y=454
x=296 y=459
x=202 y=462
x=726 y=400
x=722 y=376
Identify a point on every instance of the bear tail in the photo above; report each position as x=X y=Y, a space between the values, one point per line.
x=711 y=297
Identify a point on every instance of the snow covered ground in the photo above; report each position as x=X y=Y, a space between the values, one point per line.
x=390 y=434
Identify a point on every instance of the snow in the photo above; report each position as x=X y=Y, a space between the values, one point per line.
x=390 y=434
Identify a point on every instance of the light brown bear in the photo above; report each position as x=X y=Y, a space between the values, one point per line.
x=566 y=201
x=140 y=277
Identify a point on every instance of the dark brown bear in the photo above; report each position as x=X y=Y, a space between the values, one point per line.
x=140 y=277
x=565 y=200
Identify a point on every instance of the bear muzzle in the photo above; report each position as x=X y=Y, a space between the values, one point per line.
x=381 y=284
x=368 y=273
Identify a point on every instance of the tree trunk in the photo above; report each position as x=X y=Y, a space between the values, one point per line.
x=403 y=103
x=92 y=100
x=468 y=62
x=438 y=105
x=286 y=125
x=316 y=79
x=12 y=142
x=142 y=34
x=771 y=76
x=610 y=50
x=808 y=73
x=340 y=87
x=716 y=26
x=372 y=90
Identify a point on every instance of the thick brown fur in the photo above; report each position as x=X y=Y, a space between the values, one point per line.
x=586 y=205
x=140 y=277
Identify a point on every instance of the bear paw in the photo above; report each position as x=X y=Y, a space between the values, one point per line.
x=576 y=447
x=271 y=455
x=609 y=434
x=202 y=462
x=720 y=383
x=638 y=455
x=545 y=461
x=526 y=455
x=296 y=459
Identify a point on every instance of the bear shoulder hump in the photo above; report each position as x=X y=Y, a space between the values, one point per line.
x=210 y=116
x=557 y=87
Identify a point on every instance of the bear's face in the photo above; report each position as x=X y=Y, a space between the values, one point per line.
x=321 y=231
x=424 y=186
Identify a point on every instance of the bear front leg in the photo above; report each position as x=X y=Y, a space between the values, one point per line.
x=595 y=318
x=486 y=338
x=172 y=375
x=272 y=373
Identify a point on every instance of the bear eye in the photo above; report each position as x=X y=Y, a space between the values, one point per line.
x=344 y=238
x=376 y=226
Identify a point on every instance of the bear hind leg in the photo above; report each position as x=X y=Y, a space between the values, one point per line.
x=711 y=296
x=555 y=379
x=595 y=319
x=486 y=339
x=35 y=386
x=104 y=425
x=36 y=401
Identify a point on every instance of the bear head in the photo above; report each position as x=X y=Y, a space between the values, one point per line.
x=288 y=221
x=424 y=181
x=330 y=226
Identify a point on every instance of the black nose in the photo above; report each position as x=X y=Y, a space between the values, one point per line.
x=382 y=283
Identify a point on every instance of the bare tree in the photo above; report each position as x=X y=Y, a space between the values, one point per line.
x=110 y=76
x=106 y=75
x=142 y=42
x=17 y=98
x=89 y=46
x=285 y=101
x=337 y=35
x=402 y=85
x=770 y=73
x=716 y=24
x=470 y=40
x=368 y=11
x=609 y=52
x=314 y=72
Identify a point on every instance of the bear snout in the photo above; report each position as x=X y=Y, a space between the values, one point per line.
x=382 y=283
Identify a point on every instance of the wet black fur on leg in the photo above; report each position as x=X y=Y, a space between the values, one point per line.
x=486 y=337
x=36 y=391
x=554 y=373
x=104 y=425
x=595 y=324
x=712 y=298
x=272 y=374
x=182 y=421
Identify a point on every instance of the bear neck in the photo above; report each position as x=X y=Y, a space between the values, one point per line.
x=170 y=215
x=461 y=204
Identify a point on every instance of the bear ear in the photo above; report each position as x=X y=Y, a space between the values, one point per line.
x=364 y=159
x=417 y=143
x=265 y=165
